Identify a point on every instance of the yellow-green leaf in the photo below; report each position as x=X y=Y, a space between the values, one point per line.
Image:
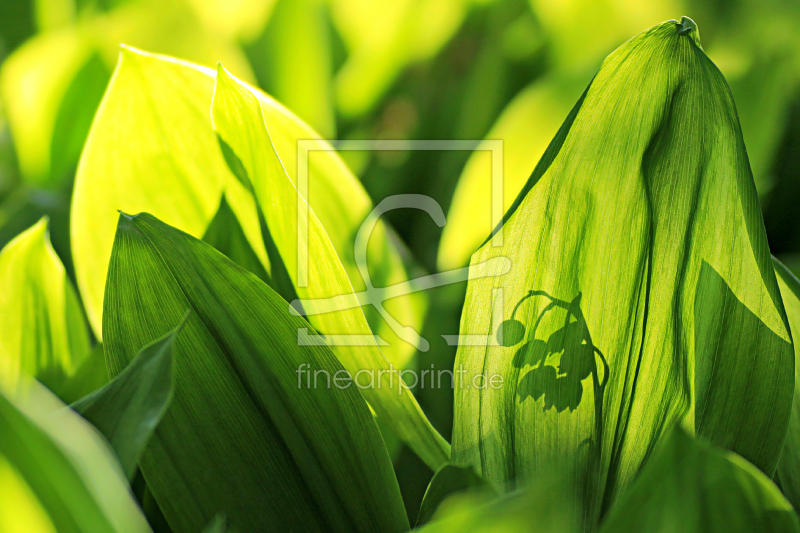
x=152 y=148
x=788 y=473
x=68 y=468
x=42 y=330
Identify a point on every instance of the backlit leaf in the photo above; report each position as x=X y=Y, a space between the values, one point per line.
x=66 y=465
x=788 y=474
x=152 y=148
x=42 y=330
x=641 y=228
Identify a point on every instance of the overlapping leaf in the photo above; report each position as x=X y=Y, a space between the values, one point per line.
x=151 y=148
x=65 y=473
x=640 y=232
x=42 y=330
x=446 y=482
x=153 y=153
x=128 y=409
x=243 y=435
x=691 y=486
x=788 y=473
x=318 y=278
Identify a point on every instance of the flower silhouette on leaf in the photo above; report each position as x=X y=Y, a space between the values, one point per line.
x=560 y=364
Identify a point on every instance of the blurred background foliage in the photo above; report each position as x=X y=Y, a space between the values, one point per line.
x=406 y=69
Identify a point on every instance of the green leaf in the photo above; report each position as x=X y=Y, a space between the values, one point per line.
x=33 y=83
x=690 y=486
x=90 y=376
x=128 y=409
x=447 y=481
x=152 y=148
x=321 y=282
x=64 y=465
x=243 y=435
x=788 y=473
x=547 y=507
x=42 y=330
x=639 y=232
x=226 y=235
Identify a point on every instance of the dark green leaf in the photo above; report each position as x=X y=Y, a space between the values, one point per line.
x=243 y=435
x=226 y=235
x=128 y=409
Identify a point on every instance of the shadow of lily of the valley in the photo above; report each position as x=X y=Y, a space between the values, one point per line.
x=560 y=363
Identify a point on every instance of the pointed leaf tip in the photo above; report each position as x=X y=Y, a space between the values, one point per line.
x=689 y=27
x=686 y=25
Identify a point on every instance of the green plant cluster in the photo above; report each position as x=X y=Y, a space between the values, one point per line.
x=155 y=374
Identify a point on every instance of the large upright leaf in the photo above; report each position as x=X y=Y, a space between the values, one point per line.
x=67 y=468
x=689 y=486
x=788 y=473
x=641 y=289
x=243 y=435
x=152 y=148
x=42 y=330
x=239 y=121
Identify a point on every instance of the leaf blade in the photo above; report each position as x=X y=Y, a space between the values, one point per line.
x=239 y=120
x=43 y=330
x=128 y=409
x=238 y=409
x=605 y=236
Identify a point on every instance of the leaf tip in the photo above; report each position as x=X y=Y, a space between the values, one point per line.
x=687 y=26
